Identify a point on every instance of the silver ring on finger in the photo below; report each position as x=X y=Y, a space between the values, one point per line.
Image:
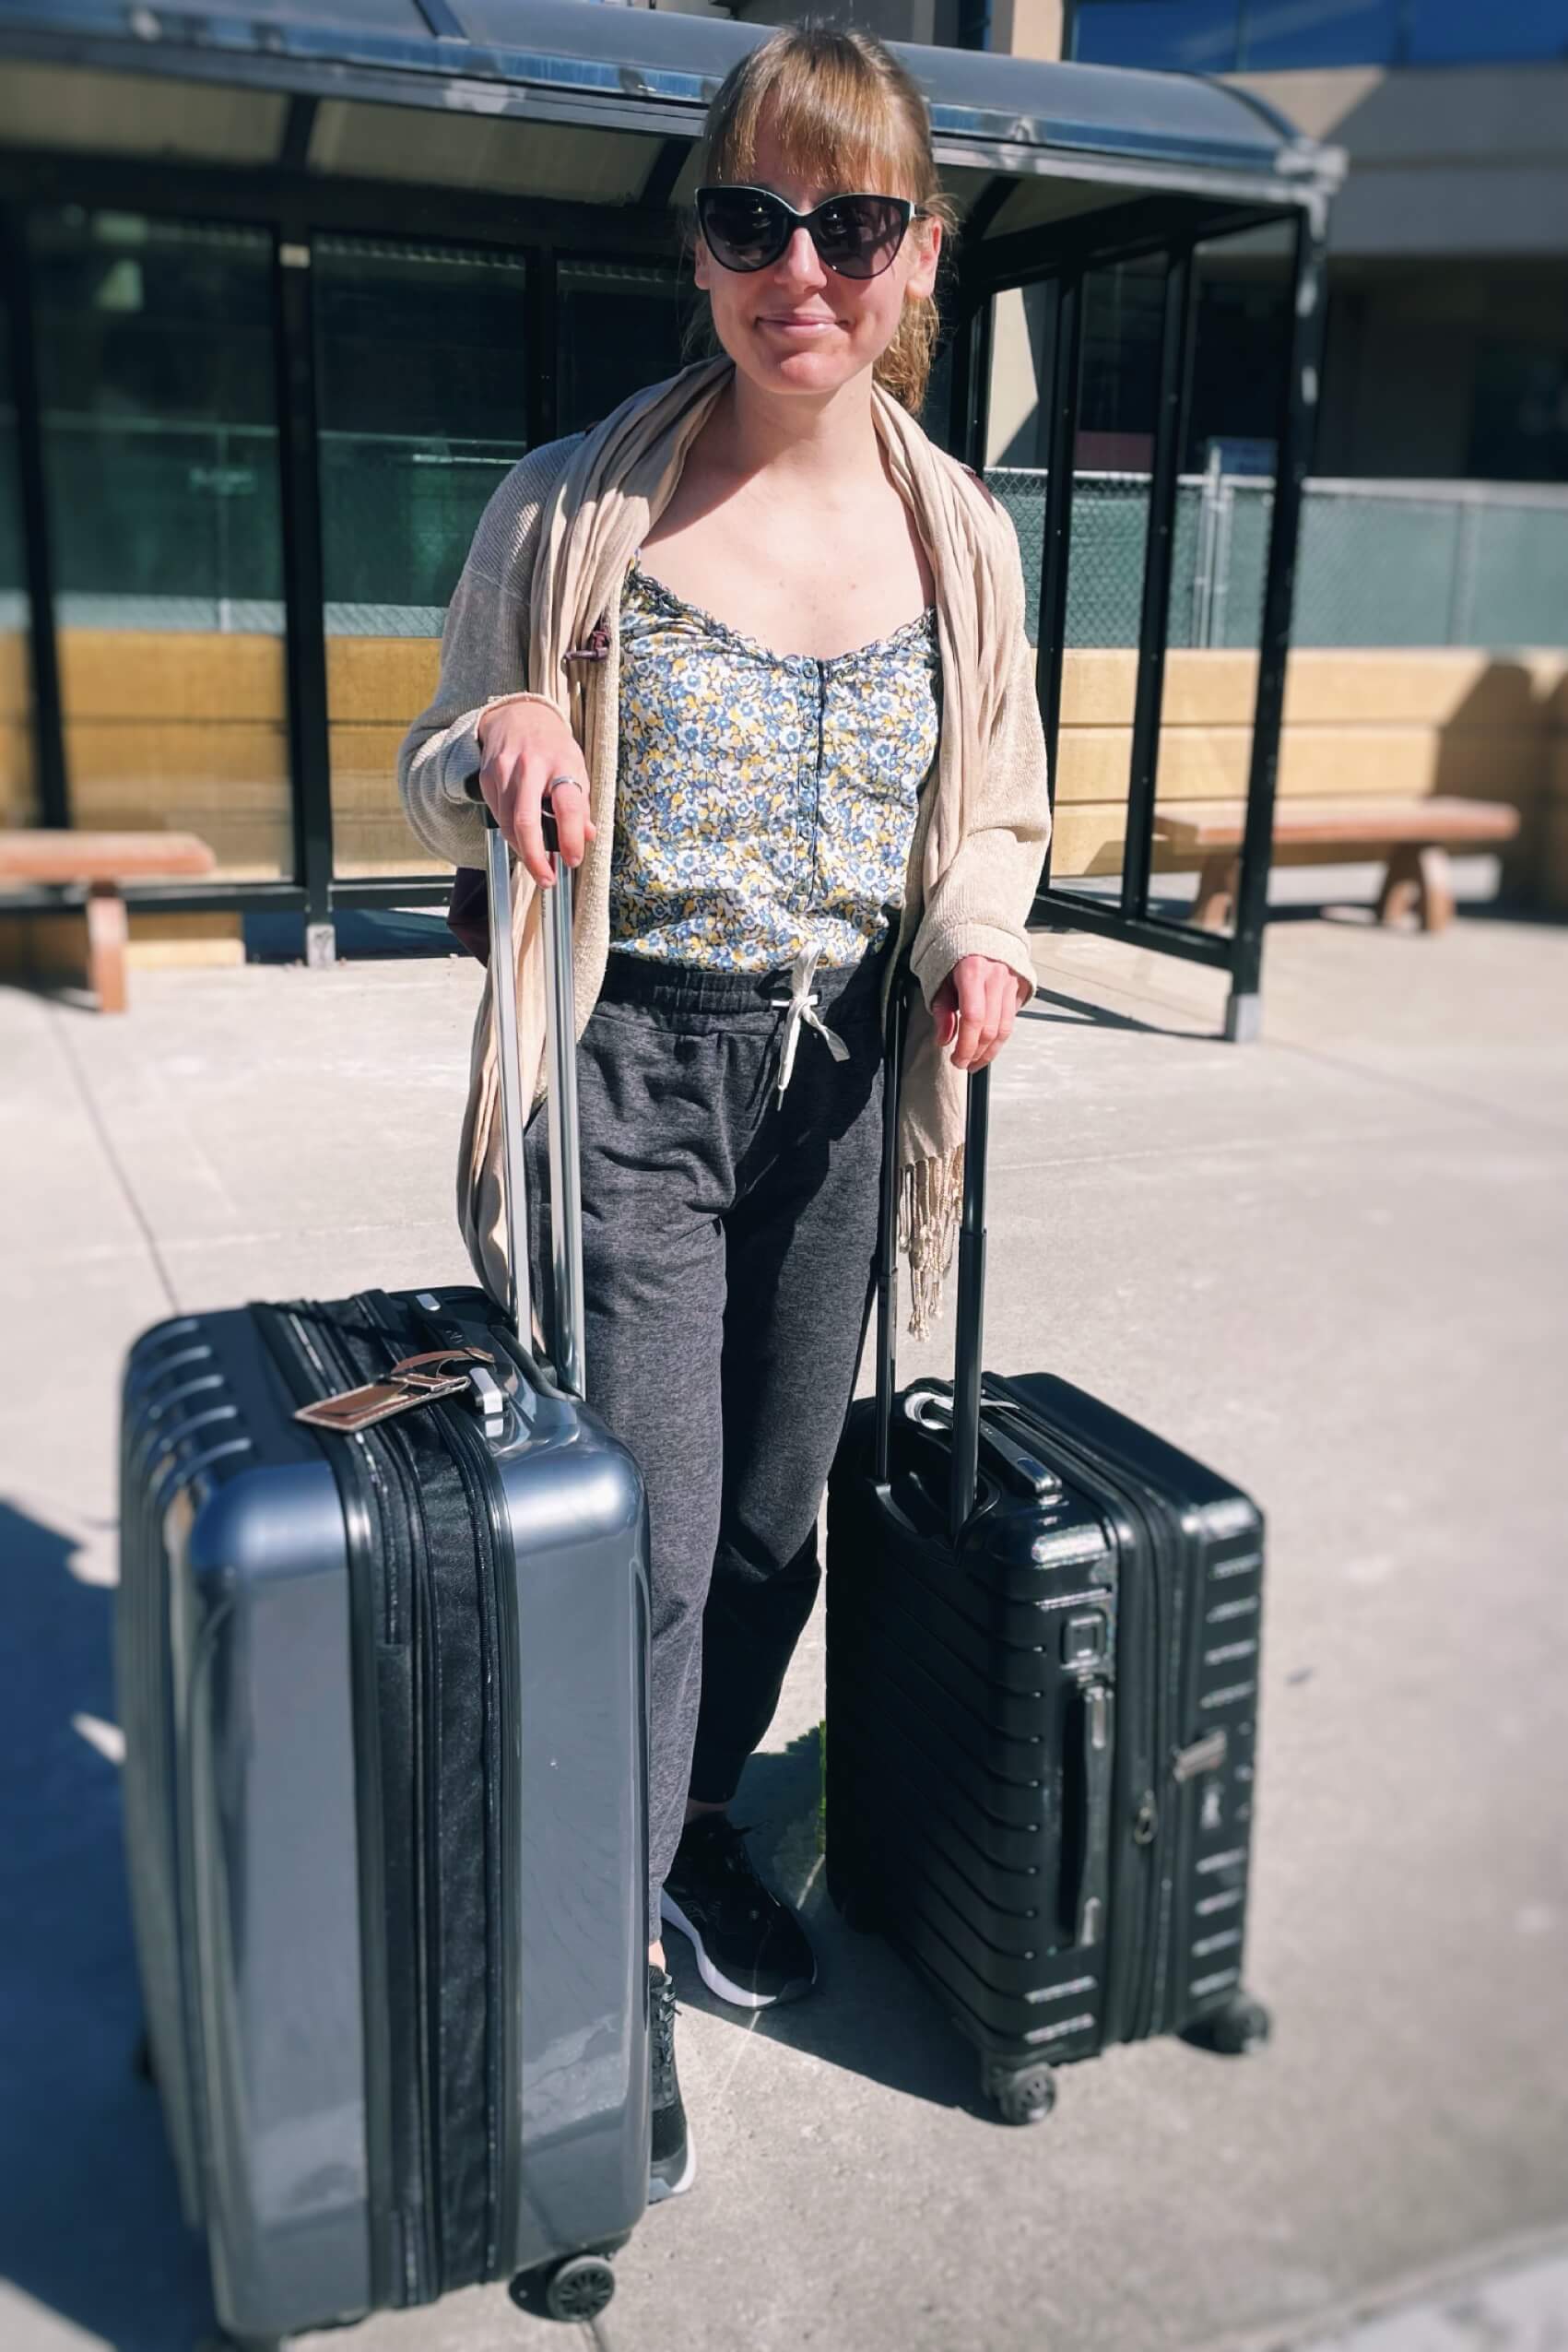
x=559 y=783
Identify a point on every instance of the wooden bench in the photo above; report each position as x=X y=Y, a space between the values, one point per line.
x=1414 y=835
x=105 y=862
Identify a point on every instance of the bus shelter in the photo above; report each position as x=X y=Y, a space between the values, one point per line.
x=287 y=286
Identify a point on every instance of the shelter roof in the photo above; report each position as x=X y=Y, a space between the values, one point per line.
x=590 y=62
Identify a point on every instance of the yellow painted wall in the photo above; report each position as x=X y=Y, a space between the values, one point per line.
x=18 y=805
x=1395 y=724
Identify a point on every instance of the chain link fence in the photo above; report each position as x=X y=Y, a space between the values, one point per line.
x=181 y=527
x=1379 y=563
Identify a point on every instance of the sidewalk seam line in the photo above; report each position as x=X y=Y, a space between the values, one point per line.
x=111 y=1152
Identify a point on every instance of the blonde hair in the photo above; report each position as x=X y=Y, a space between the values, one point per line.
x=845 y=112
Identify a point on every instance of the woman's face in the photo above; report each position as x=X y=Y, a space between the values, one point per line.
x=797 y=325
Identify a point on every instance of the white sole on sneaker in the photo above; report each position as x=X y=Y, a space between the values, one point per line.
x=716 y=1980
x=659 y=2190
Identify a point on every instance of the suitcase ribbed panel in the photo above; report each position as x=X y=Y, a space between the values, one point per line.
x=952 y=1801
x=1208 y=1913
x=179 y=1418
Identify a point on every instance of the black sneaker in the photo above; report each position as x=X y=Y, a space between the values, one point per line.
x=673 y=2164
x=750 y=1949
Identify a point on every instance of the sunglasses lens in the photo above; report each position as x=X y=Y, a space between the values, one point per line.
x=858 y=236
x=745 y=227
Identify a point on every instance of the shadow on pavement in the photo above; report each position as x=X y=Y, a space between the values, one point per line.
x=868 y=2015
x=1076 y=1013
x=89 y=2219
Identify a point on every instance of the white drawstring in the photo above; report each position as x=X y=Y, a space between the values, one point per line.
x=802 y=1008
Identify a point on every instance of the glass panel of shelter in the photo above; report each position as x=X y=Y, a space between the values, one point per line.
x=409 y=457
x=19 y=793
x=1241 y=320
x=422 y=354
x=620 y=325
x=156 y=370
x=1118 y=398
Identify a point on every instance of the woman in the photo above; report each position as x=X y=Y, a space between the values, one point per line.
x=764 y=645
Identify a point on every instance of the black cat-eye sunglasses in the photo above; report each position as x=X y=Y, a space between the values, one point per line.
x=750 y=229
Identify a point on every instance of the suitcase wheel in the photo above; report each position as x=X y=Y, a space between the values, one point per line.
x=576 y=2289
x=1022 y=2093
x=1233 y=2030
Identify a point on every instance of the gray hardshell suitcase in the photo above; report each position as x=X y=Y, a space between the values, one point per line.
x=384 y=1696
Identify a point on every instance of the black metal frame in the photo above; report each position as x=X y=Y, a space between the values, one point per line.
x=294 y=207
x=1062 y=259
x=293 y=211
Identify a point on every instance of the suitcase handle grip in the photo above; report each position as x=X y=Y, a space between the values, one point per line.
x=1086 y=1915
x=1014 y=1464
x=566 y=1194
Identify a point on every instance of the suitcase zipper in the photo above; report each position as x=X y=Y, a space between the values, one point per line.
x=498 y=1635
x=416 y=2252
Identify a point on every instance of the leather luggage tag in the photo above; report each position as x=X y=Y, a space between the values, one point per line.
x=417 y=1380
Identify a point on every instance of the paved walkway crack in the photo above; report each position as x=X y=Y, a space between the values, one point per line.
x=99 y=1125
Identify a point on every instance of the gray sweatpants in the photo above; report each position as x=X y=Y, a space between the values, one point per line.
x=728 y=1248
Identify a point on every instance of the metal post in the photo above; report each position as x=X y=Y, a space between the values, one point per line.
x=1175 y=353
x=971 y=381
x=1055 y=553
x=1298 y=425
x=309 y=758
x=48 y=724
x=970 y=1347
x=504 y=983
x=566 y=1193
x=887 y=1236
x=1206 y=557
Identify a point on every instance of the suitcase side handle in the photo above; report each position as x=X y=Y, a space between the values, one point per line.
x=1086 y=1916
x=970 y=1341
x=566 y=1194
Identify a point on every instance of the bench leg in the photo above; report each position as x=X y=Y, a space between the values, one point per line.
x=1417 y=884
x=107 y=931
x=1215 y=904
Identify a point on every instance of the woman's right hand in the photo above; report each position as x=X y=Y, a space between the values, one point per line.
x=526 y=749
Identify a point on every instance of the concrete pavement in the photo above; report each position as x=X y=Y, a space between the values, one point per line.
x=1333 y=1262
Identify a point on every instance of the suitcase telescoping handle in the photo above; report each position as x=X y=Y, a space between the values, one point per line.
x=566 y=1192
x=969 y=1346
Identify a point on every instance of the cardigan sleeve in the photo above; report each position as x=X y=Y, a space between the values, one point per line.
x=980 y=906
x=484 y=660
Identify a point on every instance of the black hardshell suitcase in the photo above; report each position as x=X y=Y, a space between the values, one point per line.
x=1041 y=1701
x=384 y=1696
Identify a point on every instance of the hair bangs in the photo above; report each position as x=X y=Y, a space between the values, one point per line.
x=837 y=121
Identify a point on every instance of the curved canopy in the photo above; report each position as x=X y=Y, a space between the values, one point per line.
x=644 y=69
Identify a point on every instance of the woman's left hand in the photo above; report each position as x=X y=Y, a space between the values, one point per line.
x=977 y=1003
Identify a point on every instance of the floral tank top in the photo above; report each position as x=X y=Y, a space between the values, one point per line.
x=766 y=802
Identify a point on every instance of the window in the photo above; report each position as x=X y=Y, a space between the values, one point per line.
x=18 y=791
x=421 y=367
x=1261 y=36
x=156 y=372
x=1182 y=36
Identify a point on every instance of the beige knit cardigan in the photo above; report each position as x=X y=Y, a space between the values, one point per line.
x=547 y=563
